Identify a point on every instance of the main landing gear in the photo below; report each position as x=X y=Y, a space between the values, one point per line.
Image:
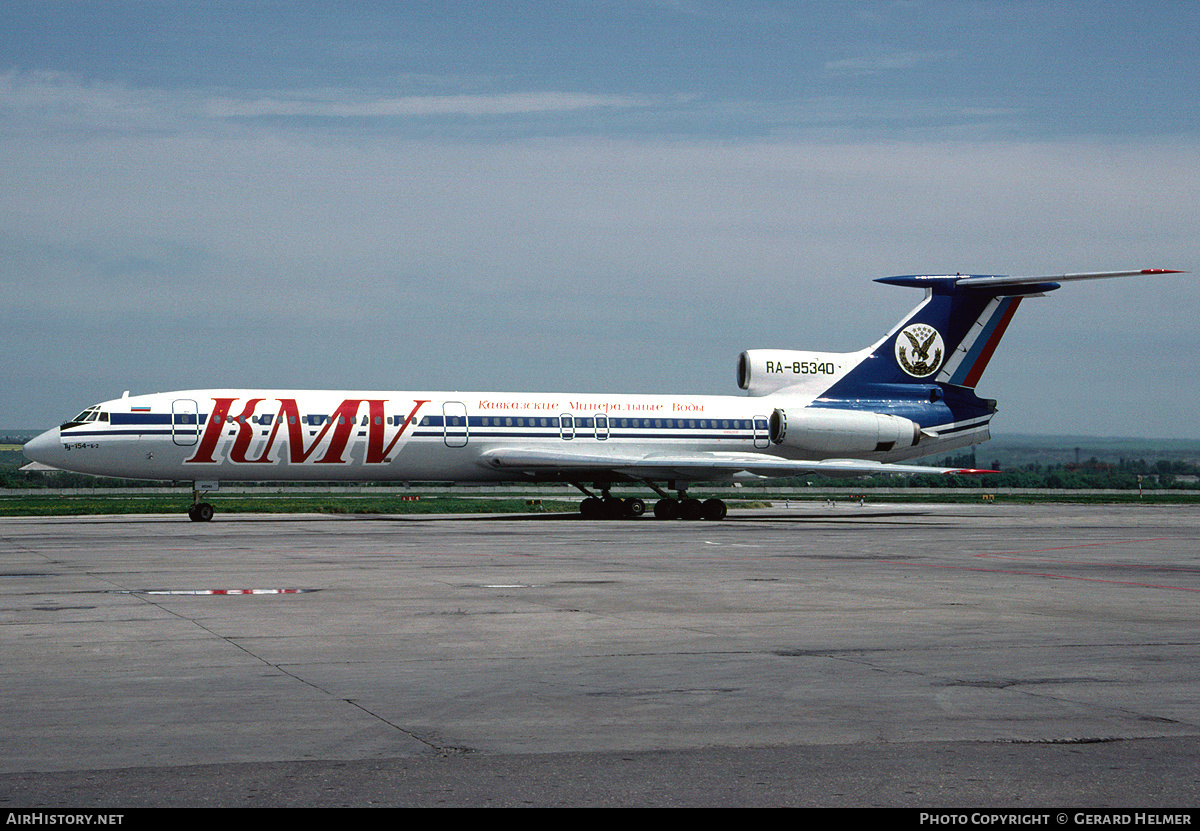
x=689 y=508
x=607 y=506
x=612 y=507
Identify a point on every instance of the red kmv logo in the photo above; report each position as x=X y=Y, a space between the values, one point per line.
x=343 y=422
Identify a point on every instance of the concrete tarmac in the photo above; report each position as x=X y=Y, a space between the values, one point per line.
x=926 y=656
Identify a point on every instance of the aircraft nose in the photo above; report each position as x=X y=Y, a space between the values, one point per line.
x=46 y=449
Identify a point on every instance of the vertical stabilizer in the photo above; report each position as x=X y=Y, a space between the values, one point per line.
x=947 y=339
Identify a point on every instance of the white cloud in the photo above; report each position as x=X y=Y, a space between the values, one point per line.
x=37 y=101
x=887 y=62
x=420 y=106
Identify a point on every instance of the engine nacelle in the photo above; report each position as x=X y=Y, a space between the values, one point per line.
x=764 y=371
x=835 y=432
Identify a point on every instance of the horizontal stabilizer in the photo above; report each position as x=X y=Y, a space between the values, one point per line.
x=950 y=337
x=1021 y=285
x=989 y=281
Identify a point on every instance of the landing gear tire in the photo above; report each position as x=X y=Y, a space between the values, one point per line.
x=690 y=509
x=613 y=508
x=201 y=512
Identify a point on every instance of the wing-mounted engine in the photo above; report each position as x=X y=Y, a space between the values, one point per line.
x=836 y=432
x=765 y=371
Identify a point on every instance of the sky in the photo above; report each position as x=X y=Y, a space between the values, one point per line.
x=590 y=196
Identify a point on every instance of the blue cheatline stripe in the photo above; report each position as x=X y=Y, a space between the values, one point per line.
x=140 y=418
x=587 y=423
x=77 y=434
x=136 y=424
x=949 y=430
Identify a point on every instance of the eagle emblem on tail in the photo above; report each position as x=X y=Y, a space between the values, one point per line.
x=914 y=346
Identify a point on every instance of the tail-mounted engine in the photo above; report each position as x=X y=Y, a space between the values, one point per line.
x=827 y=432
x=764 y=371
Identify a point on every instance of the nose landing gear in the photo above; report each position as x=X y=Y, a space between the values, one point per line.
x=201 y=511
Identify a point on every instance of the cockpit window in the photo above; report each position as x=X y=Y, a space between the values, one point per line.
x=90 y=414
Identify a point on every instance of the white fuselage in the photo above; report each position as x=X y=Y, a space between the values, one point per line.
x=273 y=435
x=262 y=435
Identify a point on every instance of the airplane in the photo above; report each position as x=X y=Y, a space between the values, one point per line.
x=910 y=394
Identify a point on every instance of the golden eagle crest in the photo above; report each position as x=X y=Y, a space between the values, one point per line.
x=913 y=347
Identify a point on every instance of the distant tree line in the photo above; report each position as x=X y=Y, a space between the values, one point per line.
x=63 y=479
x=1125 y=474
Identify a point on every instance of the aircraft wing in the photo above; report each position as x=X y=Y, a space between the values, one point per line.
x=694 y=466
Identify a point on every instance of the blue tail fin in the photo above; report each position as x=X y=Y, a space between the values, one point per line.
x=950 y=337
x=926 y=368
